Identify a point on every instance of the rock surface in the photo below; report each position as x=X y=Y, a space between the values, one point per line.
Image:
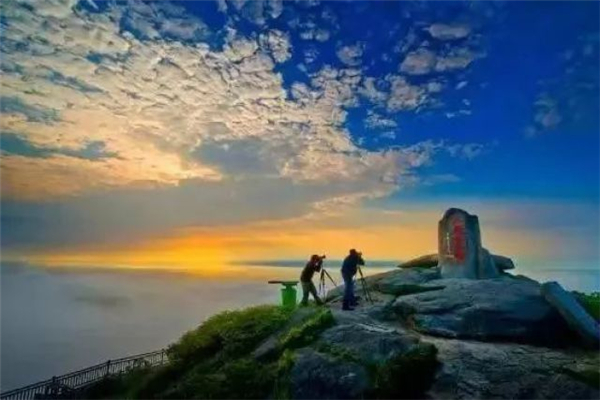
x=426 y=261
x=495 y=338
x=477 y=370
x=321 y=376
x=371 y=342
x=505 y=308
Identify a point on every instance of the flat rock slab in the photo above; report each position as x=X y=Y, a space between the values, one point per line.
x=573 y=313
x=504 y=308
x=404 y=281
x=320 y=376
x=479 y=370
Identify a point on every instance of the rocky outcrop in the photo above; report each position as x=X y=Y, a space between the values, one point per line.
x=478 y=370
x=426 y=261
x=503 y=263
x=322 y=376
x=506 y=309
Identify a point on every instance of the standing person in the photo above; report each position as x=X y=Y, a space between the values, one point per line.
x=308 y=287
x=349 y=268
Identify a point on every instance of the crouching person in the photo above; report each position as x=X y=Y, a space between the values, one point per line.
x=349 y=269
x=308 y=287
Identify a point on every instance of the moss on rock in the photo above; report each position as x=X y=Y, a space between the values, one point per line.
x=407 y=375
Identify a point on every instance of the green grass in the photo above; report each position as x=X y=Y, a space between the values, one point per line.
x=309 y=331
x=231 y=334
x=591 y=302
x=282 y=380
x=589 y=376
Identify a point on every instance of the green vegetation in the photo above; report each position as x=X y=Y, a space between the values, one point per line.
x=406 y=376
x=230 y=334
x=309 y=331
x=591 y=302
x=213 y=361
x=284 y=369
x=590 y=376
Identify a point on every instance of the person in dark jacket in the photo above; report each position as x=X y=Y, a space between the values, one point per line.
x=349 y=269
x=308 y=287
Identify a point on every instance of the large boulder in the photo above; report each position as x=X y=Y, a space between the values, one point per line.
x=503 y=263
x=317 y=375
x=404 y=281
x=504 y=308
x=394 y=282
x=426 y=261
x=372 y=343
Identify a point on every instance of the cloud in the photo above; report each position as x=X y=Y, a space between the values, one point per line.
x=403 y=95
x=375 y=120
x=424 y=61
x=371 y=91
x=318 y=34
x=351 y=55
x=278 y=43
x=419 y=62
x=208 y=135
x=448 y=32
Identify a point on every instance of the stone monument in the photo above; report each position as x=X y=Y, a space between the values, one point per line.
x=459 y=247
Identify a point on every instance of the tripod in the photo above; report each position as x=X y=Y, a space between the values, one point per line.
x=324 y=273
x=364 y=286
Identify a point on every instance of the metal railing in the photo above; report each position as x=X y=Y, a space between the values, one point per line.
x=66 y=386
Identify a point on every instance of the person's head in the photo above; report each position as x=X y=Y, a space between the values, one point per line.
x=315 y=257
x=353 y=252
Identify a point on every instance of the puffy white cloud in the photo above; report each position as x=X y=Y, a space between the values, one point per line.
x=448 y=32
x=318 y=34
x=419 y=62
x=375 y=120
x=370 y=90
x=455 y=60
x=278 y=43
x=351 y=55
x=424 y=61
x=403 y=95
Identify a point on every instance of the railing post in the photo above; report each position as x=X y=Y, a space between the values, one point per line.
x=107 y=368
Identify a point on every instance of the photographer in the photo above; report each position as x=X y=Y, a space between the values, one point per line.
x=349 y=268
x=313 y=265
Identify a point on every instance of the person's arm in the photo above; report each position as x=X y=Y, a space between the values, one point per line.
x=361 y=261
x=318 y=265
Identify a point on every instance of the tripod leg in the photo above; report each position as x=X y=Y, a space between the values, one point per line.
x=330 y=278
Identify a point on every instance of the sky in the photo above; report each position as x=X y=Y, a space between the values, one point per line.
x=194 y=134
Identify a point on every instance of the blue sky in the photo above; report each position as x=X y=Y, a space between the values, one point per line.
x=132 y=120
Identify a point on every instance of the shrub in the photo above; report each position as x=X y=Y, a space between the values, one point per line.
x=309 y=331
x=231 y=334
x=591 y=302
